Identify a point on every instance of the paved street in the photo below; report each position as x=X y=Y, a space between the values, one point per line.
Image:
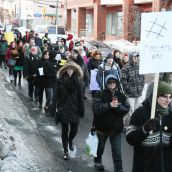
x=45 y=139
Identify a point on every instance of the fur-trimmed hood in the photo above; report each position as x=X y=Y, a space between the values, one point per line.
x=68 y=65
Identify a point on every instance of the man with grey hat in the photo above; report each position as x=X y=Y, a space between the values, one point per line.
x=109 y=108
x=133 y=84
x=109 y=66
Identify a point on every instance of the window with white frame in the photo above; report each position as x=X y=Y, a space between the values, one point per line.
x=114 y=23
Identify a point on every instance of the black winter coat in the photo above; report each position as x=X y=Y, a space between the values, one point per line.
x=106 y=118
x=68 y=96
x=30 y=66
x=40 y=78
x=50 y=72
x=93 y=64
x=147 y=148
x=20 y=60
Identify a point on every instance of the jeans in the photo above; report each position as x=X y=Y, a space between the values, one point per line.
x=40 y=92
x=49 y=96
x=115 y=141
x=68 y=138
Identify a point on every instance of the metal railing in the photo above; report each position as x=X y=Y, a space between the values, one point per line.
x=85 y=33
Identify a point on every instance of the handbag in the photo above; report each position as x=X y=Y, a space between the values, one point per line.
x=11 y=62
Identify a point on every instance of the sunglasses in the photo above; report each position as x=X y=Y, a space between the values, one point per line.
x=111 y=82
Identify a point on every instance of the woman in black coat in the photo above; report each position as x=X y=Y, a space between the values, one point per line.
x=68 y=99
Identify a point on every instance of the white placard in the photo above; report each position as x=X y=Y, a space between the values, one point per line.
x=93 y=83
x=156 y=43
x=41 y=72
x=58 y=57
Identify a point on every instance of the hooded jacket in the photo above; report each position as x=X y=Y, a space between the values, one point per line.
x=147 y=148
x=107 y=119
x=106 y=70
x=68 y=95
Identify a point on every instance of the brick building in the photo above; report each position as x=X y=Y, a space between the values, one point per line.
x=110 y=19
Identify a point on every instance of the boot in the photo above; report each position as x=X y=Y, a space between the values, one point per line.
x=118 y=168
x=71 y=146
x=66 y=156
x=14 y=82
x=19 y=83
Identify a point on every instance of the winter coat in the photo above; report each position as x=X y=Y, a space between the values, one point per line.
x=132 y=81
x=86 y=78
x=40 y=78
x=107 y=70
x=50 y=72
x=93 y=64
x=38 y=42
x=30 y=66
x=11 y=53
x=68 y=95
x=107 y=119
x=147 y=149
x=3 y=47
x=20 y=60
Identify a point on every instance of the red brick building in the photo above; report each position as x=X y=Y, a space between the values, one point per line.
x=110 y=19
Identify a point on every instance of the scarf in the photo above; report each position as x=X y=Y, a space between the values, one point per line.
x=162 y=111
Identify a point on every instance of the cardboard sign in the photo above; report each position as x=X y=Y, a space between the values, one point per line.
x=156 y=43
x=9 y=37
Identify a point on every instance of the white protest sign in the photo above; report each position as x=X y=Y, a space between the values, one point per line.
x=41 y=72
x=93 y=83
x=156 y=43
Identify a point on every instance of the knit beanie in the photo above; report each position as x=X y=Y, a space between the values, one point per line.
x=110 y=55
x=164 y=88
x=111 y=76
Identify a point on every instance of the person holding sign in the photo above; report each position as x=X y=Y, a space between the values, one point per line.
x=152 y=151
x=109 y=108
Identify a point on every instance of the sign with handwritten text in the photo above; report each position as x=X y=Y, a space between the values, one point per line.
x=156 y=43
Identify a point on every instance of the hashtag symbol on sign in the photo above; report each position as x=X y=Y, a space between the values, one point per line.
x=153 y=31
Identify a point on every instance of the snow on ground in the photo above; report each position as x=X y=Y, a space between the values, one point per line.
x=20 y=145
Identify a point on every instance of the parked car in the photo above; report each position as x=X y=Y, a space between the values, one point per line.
x=104 y=48
x=123 y=45
x=53 y=31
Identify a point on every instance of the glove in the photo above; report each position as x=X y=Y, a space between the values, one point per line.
x=151 y=124
x=93 y=131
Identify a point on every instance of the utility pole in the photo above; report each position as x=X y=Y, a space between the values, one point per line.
x=56 y=22
x=66 y=13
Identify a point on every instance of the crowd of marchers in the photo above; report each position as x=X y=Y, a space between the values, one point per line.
x=63 y=71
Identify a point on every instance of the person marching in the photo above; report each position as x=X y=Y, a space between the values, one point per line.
x=152 y=151
x=68 y=98
x=109 y=108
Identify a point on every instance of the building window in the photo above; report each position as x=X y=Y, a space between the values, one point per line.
x=114 y=23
